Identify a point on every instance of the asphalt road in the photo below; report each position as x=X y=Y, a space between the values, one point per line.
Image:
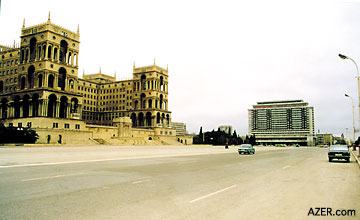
x=174 y=183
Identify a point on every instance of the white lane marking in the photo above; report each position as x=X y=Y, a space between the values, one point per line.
x=51 y=177
x=185 y=162
x=110 y=159
x=211 y=194
x=141 y=181
x=15 y=171
x=286 y=166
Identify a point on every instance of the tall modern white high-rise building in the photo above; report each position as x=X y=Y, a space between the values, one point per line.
x=282 y=122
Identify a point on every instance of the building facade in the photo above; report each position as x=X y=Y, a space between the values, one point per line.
x=282 y=122
x=40 y=88
x=180 y=128
x=324 y=139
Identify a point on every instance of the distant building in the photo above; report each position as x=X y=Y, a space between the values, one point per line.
x=180 y=128
x=226 y=128
x=324 y=139
x=282 y=122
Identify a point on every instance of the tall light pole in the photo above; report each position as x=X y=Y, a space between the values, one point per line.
x=353 y=111
x=358 y=79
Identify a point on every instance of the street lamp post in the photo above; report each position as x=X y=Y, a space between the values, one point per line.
x=358 y=80
x=353 y=111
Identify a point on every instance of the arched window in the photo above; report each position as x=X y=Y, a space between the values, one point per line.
x=25 y=105
x=33 y=48
x=35 y=104
x=158 y=117
x=17 y=106
x=69 y=59
x=51 y=81
x=74 y=105
x=4 y=108
x=44 y=51
x=49 y=52
x=148 y=119
x=55 y=53
x=22 y=83
x=161 y=82
x=71 y=84
x=63 y=107
x=63 y=51
x=75 y=60
x=142 y=100
x=167 y=119
x=161 y=101
x=40 y=80
x=141 y=119
x=133 y=120
x=52 y=106
x=150 y=103
x=30 y=76
x=136 y=105
x=39 y=52
x=27 y=54
x=62 y=78
x=143 y=82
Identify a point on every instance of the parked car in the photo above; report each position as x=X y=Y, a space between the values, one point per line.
x=339 y=152
x=246 y=148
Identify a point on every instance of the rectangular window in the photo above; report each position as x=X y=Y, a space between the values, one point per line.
x=55 y=125
x=77 y=126
x=67 y=125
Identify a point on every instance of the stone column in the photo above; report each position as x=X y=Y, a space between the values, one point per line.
x=68 y=110
x=46 y=52
x=45 y=107
x=21 y=107
x=152 y=121
x=57 y=107
x=45 y=80
x=10 y=109
x=30 y=108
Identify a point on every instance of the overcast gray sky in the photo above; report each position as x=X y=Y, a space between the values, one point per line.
x=223 y=56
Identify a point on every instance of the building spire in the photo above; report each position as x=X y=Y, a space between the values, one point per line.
x=83 y=73
x=23 y=23
x=115 y=75
x=134 y=65
x=154 y=61
x=100 y=70
x=48 y=18
x=78 y=30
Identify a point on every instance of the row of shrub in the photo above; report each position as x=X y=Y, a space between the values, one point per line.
x=17 y=135
x=222 y=138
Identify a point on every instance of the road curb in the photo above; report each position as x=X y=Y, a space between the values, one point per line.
x=356 y=157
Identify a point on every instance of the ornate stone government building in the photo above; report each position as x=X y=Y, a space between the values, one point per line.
x=40 y=88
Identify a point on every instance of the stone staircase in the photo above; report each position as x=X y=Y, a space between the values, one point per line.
x=101 y=141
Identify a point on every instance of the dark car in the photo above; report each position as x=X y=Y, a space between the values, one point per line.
x=246 y=148
x=339 y=152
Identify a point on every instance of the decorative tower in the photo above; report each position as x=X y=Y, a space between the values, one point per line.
x=150 y=99
x=48 y=69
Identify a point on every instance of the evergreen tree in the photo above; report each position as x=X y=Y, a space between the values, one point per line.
x=234 y=134
x=201 y=136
